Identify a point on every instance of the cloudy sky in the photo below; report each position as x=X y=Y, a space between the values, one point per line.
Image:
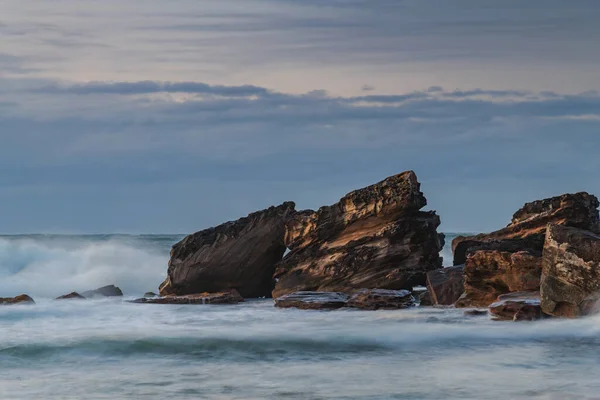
x=172 y=116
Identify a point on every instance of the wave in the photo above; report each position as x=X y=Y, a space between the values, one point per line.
x=49 y=266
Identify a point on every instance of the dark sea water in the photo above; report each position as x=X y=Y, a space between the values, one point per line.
x=111 y=349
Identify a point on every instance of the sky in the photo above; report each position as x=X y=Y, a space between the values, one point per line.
x=172 y=116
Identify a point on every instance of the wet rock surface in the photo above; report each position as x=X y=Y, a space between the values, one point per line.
x=571 y=272
x=308 y=300
x=374 y=237
x=375 y=299
x=517 y=306
x=445 y=285
x=227 y=297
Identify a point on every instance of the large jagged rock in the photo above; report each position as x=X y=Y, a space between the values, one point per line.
x=104 y=291
x=228 y=297
x=20 y=299
x=491 y=273
x=374 y=237
x=509 y=259
x=571 y=272
x=445 y=285
x=517 y=306
x=237 y=255
x=528 y=226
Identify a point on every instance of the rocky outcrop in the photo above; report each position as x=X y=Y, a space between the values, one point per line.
x=528 y=226
x=104 y=291
x=20 y=299
x=374 y=237
x=237 y=255
x=445 y=285
x=228 y=297
x=491 y=273
x=71 y=296
x=517 y=306
x=312 y=300
x=571 y=272
x=509 y=259
x=376 y=299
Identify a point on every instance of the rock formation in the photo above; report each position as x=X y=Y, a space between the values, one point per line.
x=571 y=272
x=70 y=296
x=104 y=291
x=445 y=285
x=374 y=237
x=20 y=299
x=228 y=297
x=376 y=299
x=312 y=300
x=509 y=259
x=517 y=306
x=237 y=255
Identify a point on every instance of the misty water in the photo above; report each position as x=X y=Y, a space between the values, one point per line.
x=111 y=349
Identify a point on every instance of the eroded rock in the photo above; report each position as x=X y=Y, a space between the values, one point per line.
x=228 y=297
x=312 y=300
x=20 y=299
x=373 y=237
x=375 y=299
x=517 y=306
x=236 y=255
x=571 y=272
x=445 y=285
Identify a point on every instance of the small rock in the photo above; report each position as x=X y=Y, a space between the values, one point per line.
x=104 y=291
x=517 y=306
x=150 y=294
x=475 y=313
x=72 y=295
x=229 y=297
x=375 y=299
x=312 y=300
x=20 y=299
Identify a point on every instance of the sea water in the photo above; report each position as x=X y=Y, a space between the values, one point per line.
x=111 y=349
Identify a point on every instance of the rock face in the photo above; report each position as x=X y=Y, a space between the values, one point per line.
x=229 y=297
x=72 y=295
x=104 y=291
x=375 y=299
x=312 y=300
x=491 y=273
x=374 y=237
x=571 y=272
x=517 y=306
x=445 y=285
x=509 y=259
x=20 y=299
x=236 y=255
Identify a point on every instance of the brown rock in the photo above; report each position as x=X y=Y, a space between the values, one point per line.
x=375 y=299
x=236 y=255
x=373 y=237
x=517 y=306
x=229 y=297
x=312 y=300
x=528 y=226
x=571 y=272
x=445 y=285
x=72 y=295
x=104 y=291
x=489 y=274
x=425 y=299
x=20 y=299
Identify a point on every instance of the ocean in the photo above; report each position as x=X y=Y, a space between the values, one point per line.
x=111 y=349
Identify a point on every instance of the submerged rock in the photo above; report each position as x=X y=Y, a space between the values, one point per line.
x=241 y=254
x=20 y=299
x=312 y=300
x=375 y=299
x=475 y=313
x=70 y=296
x=373 y=237
x=445 y=285
x=150 y=294
x=104 y=291
x=517 y=306
x=228 y=297
x=509 y=259
x=489 y=274
x=571 y=272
